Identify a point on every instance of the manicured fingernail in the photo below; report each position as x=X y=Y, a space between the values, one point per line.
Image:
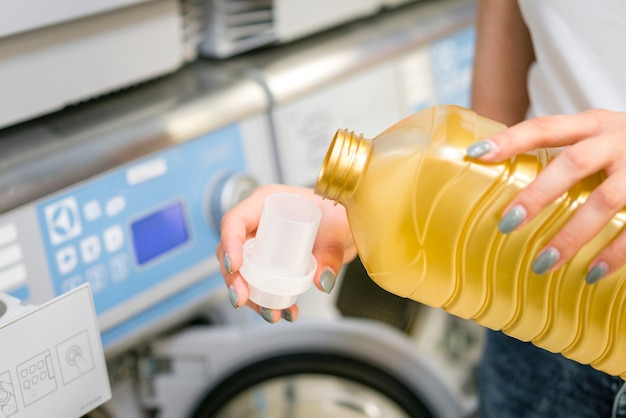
x=287 y=316
x=267 y=314
x=233 y=297
x=597 y=272
x=546 y=260
x=327 y=280
x=227 y=264
x=481 y=148
x=512 y=219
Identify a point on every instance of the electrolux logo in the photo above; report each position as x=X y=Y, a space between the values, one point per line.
x=63 y=220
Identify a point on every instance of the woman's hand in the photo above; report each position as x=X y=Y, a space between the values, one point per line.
x=596 y=141
x=333 y=246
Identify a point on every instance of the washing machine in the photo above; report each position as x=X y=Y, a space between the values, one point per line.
x=126 y=193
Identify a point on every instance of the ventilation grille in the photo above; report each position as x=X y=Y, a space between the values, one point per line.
x=191 y=18
x=235 y=26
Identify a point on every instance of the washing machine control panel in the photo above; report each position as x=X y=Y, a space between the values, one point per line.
x=143 y=235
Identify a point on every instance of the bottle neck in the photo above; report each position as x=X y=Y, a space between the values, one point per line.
x=345 y=163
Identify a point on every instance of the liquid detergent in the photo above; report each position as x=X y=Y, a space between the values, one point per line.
x=424 y=219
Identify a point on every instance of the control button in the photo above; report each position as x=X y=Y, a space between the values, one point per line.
x=119 y=268
x=115 y=206
x=113 y=238
x=66 y=259
x=63 y=220
x=71 y=283
x=97 y=278
x=92 y=210
x=225 y=193
x=90 y=248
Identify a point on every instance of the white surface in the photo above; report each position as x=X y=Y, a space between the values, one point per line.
x=25 y=15
x=45 y=70
x=367 y=102
x=52 y=361
x=296 y=18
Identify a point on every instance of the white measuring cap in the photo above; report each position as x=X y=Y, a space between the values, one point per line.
x=278 y=263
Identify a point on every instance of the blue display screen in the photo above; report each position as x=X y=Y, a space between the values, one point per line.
x=159 y=232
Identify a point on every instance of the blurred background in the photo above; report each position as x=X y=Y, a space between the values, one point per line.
x=129 y=127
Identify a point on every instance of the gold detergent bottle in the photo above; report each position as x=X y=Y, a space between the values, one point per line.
x=424 y=219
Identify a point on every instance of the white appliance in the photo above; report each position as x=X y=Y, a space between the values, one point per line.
x=364 y=77
x=55 y=53
x=231 y=27
x=312 y=368
x=86 y=188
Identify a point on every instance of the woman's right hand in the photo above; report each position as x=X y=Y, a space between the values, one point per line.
x=333 y=246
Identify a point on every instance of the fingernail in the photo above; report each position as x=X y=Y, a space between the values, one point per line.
x=233 y=297
x=480 y=148
x=266 y=314
x=287 y=316
x=597 y=272
x=512 y=219
x=327 y=280
x=546 y=259
x=227 y=264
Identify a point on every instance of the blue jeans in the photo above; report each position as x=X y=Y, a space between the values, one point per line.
x=517 y=379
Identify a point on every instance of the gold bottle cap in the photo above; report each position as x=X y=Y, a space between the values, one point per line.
x=345 y=162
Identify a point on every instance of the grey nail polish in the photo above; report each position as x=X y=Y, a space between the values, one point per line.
x=266 y=314
x=478 y=149
x=227 y=264
x=233 y=297
x=596 y=273
x=327 y=280
x=546 y=259
x=287 y=316
x=512 y=219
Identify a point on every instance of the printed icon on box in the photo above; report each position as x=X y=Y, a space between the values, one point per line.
x=113 y=238
x=92 y=210
x=90 y=248
x=67 y=259
x=75 y=357
x=63 y=220
x=8 y=403
x=37 y=378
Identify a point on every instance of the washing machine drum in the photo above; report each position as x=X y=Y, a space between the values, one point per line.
x=312 y=385
x=346 y=368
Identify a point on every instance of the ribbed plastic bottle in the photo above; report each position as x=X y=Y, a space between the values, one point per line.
x=424 y=219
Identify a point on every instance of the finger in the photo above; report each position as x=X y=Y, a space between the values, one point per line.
x=237 y=225
x=289 y=314
x=238 y=291
x=571 y=166
x=589 y=219
x=538 y=132
x=610 y=259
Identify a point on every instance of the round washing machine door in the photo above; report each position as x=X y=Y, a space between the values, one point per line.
x=311 y=384
x=335 y=368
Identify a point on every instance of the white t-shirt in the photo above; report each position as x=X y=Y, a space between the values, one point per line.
x=581 y=55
